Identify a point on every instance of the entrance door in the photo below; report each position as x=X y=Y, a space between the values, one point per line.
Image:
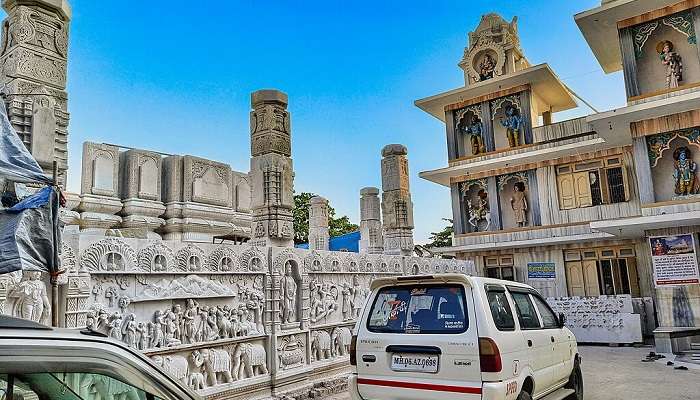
x=590 y=274
x=574 y=275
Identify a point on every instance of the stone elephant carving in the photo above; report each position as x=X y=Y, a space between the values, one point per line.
x=320 y=345
x=217 y=364
x=250 y=359
x=177 y=366
x=106 y=388
x=340 y=340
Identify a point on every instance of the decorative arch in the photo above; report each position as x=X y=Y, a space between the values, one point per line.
x=190 y=258
x=313 y=262
x=658 y=144
x=109 y=254
x=223 y=259
x=252 y=259
x=156 y=257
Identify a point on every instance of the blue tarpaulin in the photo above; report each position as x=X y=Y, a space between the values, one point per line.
x=29 y=231
x=347 y=242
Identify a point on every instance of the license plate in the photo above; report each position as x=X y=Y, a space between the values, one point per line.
x=414 y=362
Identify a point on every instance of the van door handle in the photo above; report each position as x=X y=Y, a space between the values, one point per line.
x=552 y=338
x=368 y=358
x=413 y=349
x=529 y=343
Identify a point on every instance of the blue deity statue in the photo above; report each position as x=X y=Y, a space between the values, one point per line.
x=513 y=123
x=684 y=171
x=474 y=130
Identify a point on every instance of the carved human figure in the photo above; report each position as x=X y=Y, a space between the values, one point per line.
x=188 y=323
x=213 y=330
x=111 y=295
x=177 y=311
x=479 y=211
x=115 y=326
x=170 y=328
x=29 y=298
x=289 y=294
x=129 y=330
x=673 y=63
x=316 y=306
x=684 y=171
x=256 y=305
x=158 y=338
x=123 y=303
x=347 y=303
x=513 y=122
x=357 y=297
x=518 y=203
x=43 y=129
x=202 y=332
x=143 y=338
x=487 y=67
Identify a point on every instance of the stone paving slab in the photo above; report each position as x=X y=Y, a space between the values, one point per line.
x=615 y=373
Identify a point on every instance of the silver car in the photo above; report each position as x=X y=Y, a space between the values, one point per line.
x=38 y=362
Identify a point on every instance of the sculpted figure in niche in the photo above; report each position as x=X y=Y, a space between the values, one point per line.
x=289 y=294
x=673 y=63
x=519 y=204
x=487 y=66
x=30 y=300
x=474 y=130
x=513 y=122
x=479 y=211
x=684 y=171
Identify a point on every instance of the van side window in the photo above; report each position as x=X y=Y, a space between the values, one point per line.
x=526 y=311
x=548 y=318
x=500 y=310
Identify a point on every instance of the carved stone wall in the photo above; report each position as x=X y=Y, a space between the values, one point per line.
x=34 y=59
x=271 y=169
x=237 y=322
x=371 y=234
x=397 y=207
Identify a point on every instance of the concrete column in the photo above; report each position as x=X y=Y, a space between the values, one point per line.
x=271 y=170
x=318 y=224
x=371 y=236
x=397 y=208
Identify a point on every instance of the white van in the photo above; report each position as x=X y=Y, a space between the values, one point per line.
x=457 y=337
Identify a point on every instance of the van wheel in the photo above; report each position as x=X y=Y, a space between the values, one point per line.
x=576 y=382
x=524 y=396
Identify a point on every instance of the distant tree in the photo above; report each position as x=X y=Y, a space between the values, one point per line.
x=337 y=226
x=442 y=238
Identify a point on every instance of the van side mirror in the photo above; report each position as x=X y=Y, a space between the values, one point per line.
x=562 y=320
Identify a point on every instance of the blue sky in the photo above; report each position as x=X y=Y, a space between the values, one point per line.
x=176 y=77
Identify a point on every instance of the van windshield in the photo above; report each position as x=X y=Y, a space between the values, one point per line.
x=419 y=309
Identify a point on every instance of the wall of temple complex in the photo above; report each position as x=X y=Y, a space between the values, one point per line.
x=233 y=321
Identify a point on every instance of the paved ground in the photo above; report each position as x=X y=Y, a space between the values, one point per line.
x=615 y=373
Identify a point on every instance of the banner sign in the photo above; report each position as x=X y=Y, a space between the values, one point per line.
x=541 y=271
x=674 y=260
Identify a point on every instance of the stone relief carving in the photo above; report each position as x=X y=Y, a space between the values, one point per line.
x=190 y=258
x=109 y=254
x=291 y=352
x=28 y=299
x=288 y=289
x=156 y=257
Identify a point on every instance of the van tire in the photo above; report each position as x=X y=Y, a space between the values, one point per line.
x=524 y=396
x=576 y=382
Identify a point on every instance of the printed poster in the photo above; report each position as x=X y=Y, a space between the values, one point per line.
x=674 y=261
x=542 y=271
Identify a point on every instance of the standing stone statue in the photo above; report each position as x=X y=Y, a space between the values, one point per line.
x=673 y=63
x=289 y=295
x=29 y=299
x=519 y=204
x=513 y=122
x=684 y=171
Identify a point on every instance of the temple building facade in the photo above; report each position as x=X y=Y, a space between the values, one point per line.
x=605 y=204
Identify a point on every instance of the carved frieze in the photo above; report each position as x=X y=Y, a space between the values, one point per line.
x=109 y=254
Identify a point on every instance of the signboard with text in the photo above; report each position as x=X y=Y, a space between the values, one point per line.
x=543 y=271
x=674 y=260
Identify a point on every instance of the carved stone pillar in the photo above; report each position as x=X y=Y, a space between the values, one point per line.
x=271 y=170
x=371 y=239
x=397 y=208
x=318 y=224
x=34 y=56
